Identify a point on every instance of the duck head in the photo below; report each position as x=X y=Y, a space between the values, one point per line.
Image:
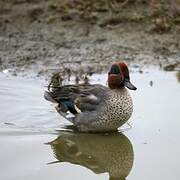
x=118 y=76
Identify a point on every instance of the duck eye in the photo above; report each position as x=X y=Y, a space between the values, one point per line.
x=114 y=69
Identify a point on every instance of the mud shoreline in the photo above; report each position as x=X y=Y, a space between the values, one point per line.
x=36 y=37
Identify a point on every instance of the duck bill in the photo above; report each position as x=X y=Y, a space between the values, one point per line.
x=129 y=85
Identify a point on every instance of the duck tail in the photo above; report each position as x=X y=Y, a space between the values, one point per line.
x=48 y=97
x=63 y=105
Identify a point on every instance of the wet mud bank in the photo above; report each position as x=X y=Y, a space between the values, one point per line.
x=42 y=37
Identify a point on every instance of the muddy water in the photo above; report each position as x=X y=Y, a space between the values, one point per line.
x=36 y=145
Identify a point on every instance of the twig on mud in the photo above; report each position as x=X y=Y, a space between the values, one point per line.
x=113 y=9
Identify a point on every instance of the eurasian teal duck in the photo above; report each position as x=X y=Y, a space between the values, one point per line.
x=96 y=107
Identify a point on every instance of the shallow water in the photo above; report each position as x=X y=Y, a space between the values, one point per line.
x=35 y=144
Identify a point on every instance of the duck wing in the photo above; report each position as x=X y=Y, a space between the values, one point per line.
x=77 y=98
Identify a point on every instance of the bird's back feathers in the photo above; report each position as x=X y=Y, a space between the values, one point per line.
x=84 y=97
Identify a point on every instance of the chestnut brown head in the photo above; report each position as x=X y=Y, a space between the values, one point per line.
x=118 y=76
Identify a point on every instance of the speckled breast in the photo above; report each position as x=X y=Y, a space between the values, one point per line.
x=116 y=109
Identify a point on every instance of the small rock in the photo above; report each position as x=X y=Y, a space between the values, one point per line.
x=151 y=83
x=10 y=124
x=141 y=71
x=66 y=17
x=5 y=71
x=171 y=67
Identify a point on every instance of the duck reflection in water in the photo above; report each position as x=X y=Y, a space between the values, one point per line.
x=112 y=153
